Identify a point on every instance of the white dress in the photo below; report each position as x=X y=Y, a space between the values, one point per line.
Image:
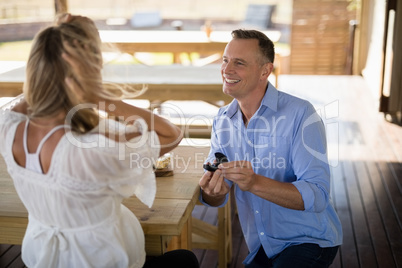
x=76 y=218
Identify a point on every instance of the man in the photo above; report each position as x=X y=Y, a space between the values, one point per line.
x=276 y=147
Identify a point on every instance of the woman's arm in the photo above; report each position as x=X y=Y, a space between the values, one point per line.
x=87 y=85
x=169 y=134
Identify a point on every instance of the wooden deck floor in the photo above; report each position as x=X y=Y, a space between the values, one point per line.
x=366 y=158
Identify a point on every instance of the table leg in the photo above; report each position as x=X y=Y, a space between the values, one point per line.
x=184 y=240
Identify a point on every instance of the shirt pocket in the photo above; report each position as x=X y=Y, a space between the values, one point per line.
x=272 y=152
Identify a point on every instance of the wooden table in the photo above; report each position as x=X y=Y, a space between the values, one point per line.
x=167 y=225
x=175 y=42
x=164 y=82
x=132 y=41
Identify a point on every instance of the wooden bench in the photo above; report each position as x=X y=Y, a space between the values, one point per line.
x=164 y=82
x=206 y=235
x=171 y=82
x=219 y=237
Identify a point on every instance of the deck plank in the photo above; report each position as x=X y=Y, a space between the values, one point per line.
x=239 y=245
x=348 y=251
x=364 y=247
x=10 y=256
x=391 y=227
x=377 y=232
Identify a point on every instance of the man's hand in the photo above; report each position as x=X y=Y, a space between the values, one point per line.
x=239 y=172
x=281 y=193
x=214 y=188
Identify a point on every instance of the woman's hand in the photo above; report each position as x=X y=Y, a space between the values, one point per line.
x=63 y=18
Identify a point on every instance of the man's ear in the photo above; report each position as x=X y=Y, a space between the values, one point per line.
x=267 y=70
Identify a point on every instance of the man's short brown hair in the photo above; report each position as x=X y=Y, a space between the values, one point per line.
x=265 y=44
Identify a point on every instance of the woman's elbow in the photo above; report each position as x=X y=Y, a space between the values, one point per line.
x=172 y=141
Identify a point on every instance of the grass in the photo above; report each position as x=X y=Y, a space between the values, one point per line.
x=15 y=51
x=19 y=51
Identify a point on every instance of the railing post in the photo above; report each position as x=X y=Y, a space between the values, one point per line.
x=350 y=52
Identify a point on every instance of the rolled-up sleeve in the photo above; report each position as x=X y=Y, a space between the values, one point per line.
x=310 y=161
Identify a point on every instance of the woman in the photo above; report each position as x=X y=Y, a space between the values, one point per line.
x=71 y=166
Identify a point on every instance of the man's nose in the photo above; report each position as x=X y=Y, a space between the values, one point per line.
x=227 y=67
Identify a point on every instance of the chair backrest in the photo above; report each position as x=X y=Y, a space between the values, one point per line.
x=259 y=15
x=146 y=19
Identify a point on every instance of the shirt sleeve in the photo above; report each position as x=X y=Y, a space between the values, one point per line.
x=310 y=161
x=125 y=168
x=211 y=157
x=8 y=122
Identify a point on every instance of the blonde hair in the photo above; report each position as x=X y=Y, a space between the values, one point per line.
x=45 y=88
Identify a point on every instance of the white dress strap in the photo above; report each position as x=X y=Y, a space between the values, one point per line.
x=32 y=159
x=24 y=140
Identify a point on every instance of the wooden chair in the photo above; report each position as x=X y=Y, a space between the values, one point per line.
x=259 y=16
x=207 y=236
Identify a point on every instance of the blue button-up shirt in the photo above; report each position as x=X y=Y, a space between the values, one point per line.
x=285 y=141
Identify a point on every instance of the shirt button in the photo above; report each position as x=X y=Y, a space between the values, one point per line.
x=256 y=212
x=262 y=233
x=250 y=142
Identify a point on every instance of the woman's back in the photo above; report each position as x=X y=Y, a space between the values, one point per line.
x=34 y=143
x=78 y=201
x=72 y=181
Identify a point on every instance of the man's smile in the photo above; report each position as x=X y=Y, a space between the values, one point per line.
x=231 y=81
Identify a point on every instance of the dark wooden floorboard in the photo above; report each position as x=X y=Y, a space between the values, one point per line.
x=239 y=245
x=10 y=256
x=364 y=248
x=376 y=228
x=392 y=228
x=347 y=256
x=3 y=249
x=366 y=172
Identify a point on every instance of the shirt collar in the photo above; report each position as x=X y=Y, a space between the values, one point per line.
x=269 y=100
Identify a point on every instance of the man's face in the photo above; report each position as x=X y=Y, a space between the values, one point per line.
x=241 y=68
